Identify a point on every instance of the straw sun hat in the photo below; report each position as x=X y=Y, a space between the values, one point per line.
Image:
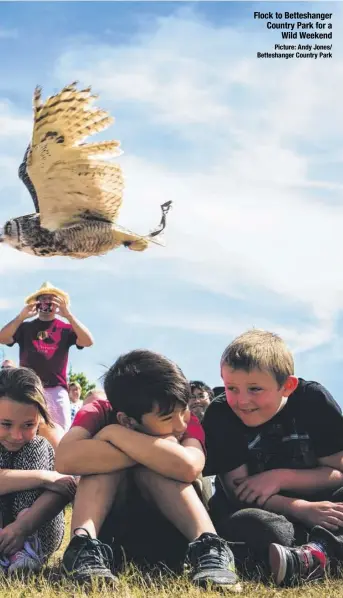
x=48 y=289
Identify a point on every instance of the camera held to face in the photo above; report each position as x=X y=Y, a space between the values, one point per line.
x=44 y=306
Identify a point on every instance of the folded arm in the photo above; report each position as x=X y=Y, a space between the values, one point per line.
x=12 y=480
x=182 y=462
x=80 y=454
x=325 y=513
x=258 y=488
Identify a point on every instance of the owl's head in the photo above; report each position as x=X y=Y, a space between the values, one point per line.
x=21 y=233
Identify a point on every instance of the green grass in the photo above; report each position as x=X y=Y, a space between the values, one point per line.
x=132 y=584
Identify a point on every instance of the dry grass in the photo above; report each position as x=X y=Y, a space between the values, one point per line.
x=132 y=584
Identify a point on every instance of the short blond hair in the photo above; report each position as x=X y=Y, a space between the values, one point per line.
x=262 y=350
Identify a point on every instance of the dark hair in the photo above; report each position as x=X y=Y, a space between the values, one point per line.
x=198 y=384
x=141 y=380
x=23 y=386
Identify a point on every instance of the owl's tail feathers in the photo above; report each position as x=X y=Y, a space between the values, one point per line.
x=165 y=207
x=140 y=243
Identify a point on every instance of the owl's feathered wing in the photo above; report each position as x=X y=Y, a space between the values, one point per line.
x=71 y=179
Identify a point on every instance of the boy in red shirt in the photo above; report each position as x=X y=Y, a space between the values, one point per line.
x=139 y=469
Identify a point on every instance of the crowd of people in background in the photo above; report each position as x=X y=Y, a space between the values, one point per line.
x=243 y=480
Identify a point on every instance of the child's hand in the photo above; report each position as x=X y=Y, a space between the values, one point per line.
x=12 y=538
x=258 y=488
x=325 y=513
x=61 y=484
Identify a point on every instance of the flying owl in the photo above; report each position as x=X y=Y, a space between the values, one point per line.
x=77 y=192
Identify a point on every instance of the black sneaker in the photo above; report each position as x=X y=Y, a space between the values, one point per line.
x=293 y=566
x=86 y=559
x=212 y=562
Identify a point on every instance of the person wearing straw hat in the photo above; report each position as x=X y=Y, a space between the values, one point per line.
x=44 y=345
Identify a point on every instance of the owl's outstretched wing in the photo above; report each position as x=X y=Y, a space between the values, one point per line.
x=71 y=180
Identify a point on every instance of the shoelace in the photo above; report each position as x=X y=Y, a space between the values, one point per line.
x=312 y=564
x=98 y=553
x=214 y=558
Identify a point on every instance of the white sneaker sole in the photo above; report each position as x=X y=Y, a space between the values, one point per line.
x=277 y=563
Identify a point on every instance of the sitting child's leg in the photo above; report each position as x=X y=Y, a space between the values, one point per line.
x=38 y=454
x=315 y=557
x=210 y=557
x=313 y=560
x=94 y=498
x=252 y=531
x=320 y=555
x=86 y=557
x=177 y=501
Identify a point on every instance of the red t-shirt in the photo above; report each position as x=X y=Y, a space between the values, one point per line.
x=97 y=414
x=44 y=347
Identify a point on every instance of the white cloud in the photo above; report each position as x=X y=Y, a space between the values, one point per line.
x=188 y=72
x=233 y=232
x=252 y=213
x=308 y=338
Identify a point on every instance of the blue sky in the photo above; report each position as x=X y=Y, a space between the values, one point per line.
x=249 y=151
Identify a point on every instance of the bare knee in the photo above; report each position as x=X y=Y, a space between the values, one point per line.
x=95 y=496
x=148 y=481
x=101 y=482
x=147 y=476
